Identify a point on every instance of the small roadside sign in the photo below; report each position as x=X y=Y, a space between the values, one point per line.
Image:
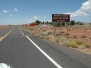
x=32 y=24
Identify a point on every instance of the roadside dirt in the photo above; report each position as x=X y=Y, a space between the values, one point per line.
x=80 y=33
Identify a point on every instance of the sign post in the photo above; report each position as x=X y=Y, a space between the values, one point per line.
x=60 y=18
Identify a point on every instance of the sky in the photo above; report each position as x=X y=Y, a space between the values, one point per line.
x=27 y=11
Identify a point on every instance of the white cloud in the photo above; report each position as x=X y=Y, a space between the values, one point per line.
x=5 y=11
x=77 y=13
x=37 y=17
x=10 y=15
x=15 y=9
x=86 y=6
x=83 y=11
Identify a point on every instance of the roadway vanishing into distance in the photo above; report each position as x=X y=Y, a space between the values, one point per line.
x=22 y=50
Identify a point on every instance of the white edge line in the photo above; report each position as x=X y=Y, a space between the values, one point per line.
x=53 y=61
x=21 y=31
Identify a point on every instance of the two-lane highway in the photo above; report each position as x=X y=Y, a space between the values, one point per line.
x=22 y=51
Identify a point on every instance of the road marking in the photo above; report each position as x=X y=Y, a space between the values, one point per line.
x=5 y=35
x=53 y=61
x=21 y=31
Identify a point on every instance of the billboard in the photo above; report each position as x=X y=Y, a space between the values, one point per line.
x=60 y=17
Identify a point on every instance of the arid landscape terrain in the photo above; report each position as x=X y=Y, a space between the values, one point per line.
x=78 y=37
x=4 y=27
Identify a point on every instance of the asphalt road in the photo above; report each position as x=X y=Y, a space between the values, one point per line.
x=3 y=32
x=22 y=50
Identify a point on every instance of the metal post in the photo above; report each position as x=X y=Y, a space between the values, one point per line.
x=61 y=30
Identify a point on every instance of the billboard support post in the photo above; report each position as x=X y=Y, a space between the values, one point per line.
x=54 y=30
x=61 y=30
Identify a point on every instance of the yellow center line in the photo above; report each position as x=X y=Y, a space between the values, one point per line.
x=6 y=35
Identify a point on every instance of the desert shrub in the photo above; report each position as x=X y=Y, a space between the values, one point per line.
x=57 y=33
x=56 y=39
x=31 y=28
x=45 y=34
x=89 y=37
x=46 y=37
x=66 y=34
x=69 y=29
x=64 y=40
x=44 y=30
x=41 y=33
x=63 y=32
x=41 y=37
x=75 y=36
x=79 y=42
x=49 y=33
x=86 y=44
x=73 y=44
x=83 y=36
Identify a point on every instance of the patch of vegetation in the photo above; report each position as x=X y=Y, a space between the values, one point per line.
x=86 y=44
x=64 y=40
x=46 y=37
x=83 y=36
x=72 y=44
x=44 y=30
x=75 y=36
x=56 y=39
x=49 y=33
x=89 y=37
x=41 y=37
x=79 y=42
x=66 y=34
x=69 y=29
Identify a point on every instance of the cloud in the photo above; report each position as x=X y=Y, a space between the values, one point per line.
x=37 y=17
x=10 y=15
x=83 y=11
x=5 y=11
x=15 y=9
x=86 y=6
x=77 y=13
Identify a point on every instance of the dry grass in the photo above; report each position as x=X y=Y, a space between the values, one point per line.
x=56 y=39
x=79 y=42
x=75 y=37
x=4 y=27
x=83 y=36
x=48 y=33
x=72 y=44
